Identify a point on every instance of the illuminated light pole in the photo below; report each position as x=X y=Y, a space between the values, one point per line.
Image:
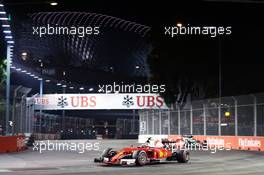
x=63 y=91
x=8 y=57
x=40 y=111
x=41 y=94
x=4 y=19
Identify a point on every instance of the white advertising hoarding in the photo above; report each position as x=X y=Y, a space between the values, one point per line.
x=99 y=101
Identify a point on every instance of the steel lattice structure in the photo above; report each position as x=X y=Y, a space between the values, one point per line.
x=120 y=42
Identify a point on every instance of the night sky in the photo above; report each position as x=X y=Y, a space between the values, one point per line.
x=241 y=52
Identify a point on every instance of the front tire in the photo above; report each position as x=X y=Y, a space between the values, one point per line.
x=141 y=157
x=106 y=152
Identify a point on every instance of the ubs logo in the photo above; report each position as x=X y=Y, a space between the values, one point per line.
x=128 y=101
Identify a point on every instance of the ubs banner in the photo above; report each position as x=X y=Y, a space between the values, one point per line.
x=99 y=101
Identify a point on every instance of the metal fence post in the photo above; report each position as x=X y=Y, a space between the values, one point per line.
x=191 y=120
x=32 y=124
x=168 y=122
x=50 y=124
x=153 y=128
x=26 y=117
x=236 y=124
x=139 y=119
x=29 y=120
x=145 y=123
x=179 y=121
x=21 y=114
x=160 y=122
x=40 y=111
x=147 y=116
x=255 y=115
x=204 y=118
x=133 y=122
x=219 y=117
x=14 y=111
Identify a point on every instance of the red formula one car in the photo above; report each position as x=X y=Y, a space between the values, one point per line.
x=143 y=155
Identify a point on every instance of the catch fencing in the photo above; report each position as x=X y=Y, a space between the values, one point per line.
x=226 y=116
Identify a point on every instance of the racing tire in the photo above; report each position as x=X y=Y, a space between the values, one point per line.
x=96 y=160
x=106 y=152
x=183 y=156
x=141 y=157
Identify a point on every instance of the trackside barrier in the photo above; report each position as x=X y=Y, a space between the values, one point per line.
x=229 y=142
x=12 y=144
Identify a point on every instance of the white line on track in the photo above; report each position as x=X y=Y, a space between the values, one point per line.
x=4 y=171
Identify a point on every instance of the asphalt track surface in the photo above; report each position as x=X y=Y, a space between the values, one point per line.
x=73 y=163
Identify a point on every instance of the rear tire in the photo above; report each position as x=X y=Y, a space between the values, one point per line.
x=141 y=157
x=183 y=156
